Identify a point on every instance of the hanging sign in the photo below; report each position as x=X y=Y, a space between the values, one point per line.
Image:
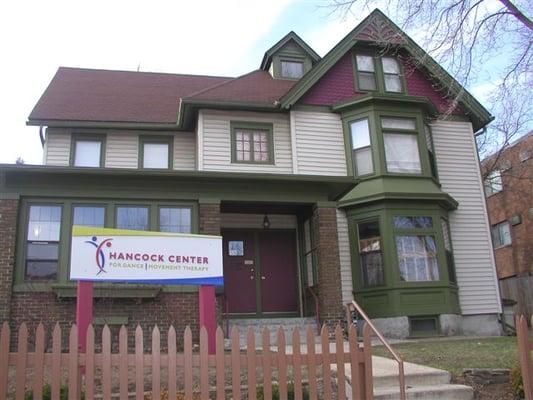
x=117 y=255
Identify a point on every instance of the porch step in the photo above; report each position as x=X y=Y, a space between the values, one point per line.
x=273 y=324
x=430 y=392
x=422 y=382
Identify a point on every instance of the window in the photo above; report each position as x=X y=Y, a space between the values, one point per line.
x=252 y=143
x=450 y=263
x=370 y=255
x=524 y=155
x=292 y=69
x=391 y=74
x=175 y=219
x=132 y=217
x=493 y=182
x=431 y=152
x=89 y=216
x=42 y=244
x=155 y=153
x=423 y=326
x=87 y=153
x=413 y=222
x=401 y=145
x=366 y=72
x=501 y=234
x=417 y=258
x=362 y=151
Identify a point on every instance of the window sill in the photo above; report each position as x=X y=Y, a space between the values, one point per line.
x=126 y=291
x=503 y=247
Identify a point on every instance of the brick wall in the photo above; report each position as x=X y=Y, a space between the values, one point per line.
x=209 y=218
x=328 y=264
x=8 y=231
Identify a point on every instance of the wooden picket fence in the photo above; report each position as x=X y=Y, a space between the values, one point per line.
x=194 y=374
x=525 y=347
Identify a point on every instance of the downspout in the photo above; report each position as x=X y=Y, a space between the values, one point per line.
x=41 y=135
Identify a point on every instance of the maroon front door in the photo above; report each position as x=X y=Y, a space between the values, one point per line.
x=263 y=280
x=279 y=289
x=239 y=271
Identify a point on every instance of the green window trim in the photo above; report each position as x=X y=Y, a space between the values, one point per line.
x=375 y=113
x=357 y=249
x=371 y=146
x=379 y=74
x=268 y=128
x=67 y=215
x=87 y=137
x=163 y=139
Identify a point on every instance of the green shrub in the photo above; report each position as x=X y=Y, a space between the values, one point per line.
x=275 y=392
x=517 y=384
x=47 y=393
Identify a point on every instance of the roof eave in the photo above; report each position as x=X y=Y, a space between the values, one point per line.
x=66 y=123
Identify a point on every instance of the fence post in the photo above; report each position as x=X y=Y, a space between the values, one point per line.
x=524 y=354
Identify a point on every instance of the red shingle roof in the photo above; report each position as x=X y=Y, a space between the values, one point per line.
x=76 y=94
x=255 y=87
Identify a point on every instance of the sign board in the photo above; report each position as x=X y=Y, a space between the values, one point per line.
x=117 y=255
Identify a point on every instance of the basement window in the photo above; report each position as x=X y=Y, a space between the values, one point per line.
x=423 y=326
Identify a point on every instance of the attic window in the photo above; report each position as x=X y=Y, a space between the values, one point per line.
x=292 y=69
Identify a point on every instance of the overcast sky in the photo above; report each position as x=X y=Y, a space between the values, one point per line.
x=200 y=37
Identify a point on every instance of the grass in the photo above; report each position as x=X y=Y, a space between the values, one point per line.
x=458 y=354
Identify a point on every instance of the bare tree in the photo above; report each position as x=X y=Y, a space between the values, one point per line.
x=477 y=41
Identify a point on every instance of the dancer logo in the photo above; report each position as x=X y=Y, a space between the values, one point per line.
x=100 y=255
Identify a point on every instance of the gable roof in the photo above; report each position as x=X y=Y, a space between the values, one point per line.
x=379 y=29
x=291 y=36
x=79 y=94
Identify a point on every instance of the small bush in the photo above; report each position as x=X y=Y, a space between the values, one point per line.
x=517 y=384
x=275 y=392
x=47 y=393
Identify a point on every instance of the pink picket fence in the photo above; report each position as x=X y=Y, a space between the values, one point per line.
x=235 y=371
x=525 y=347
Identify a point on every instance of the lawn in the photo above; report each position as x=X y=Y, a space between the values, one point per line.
x=454 y=355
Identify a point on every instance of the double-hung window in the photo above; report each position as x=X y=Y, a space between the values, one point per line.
x=361 y=147
x=42 y=242
x=366 y=72
x=416 y=248
x=493 y=182
x=401 y=145
x=370 y=252
x=501 y=234
x=252 y=143
x=87 y=151
x=431 y=151
x=391 y=74
x=156 y=152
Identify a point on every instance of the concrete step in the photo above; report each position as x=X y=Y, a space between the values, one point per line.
x=385 y=373
x=430 y=392
x=273 y=324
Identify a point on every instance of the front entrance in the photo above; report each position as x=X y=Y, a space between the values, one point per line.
x=260 y=275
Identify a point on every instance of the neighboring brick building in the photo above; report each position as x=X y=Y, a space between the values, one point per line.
x=509 y=190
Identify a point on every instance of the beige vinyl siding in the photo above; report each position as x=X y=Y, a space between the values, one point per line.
x=319 y=143
x=185 y=151
x=345 y=258
x=57 y=147
x=122 y=150
x=216 y=141
x=459 y=175
x=255 y=221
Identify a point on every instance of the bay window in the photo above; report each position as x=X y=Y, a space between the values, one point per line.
x=42 y=242
x=400 y=138
x=361 y=147
x=416 y=248
x=370 y=252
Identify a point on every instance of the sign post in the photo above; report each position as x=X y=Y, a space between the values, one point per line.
x=116 y=255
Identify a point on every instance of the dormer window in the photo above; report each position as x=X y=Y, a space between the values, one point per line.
x=292 y=69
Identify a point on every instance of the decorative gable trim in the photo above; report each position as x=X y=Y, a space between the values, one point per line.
x=378 y=29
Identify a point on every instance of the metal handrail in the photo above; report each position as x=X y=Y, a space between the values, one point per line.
x=360 y=311
x=317 y=308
